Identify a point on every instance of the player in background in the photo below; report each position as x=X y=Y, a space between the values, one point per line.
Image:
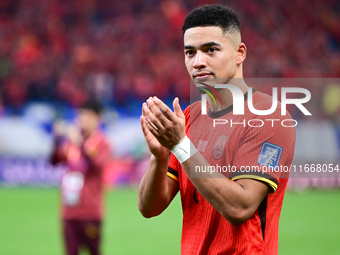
x=84 y=151
x=223 y=213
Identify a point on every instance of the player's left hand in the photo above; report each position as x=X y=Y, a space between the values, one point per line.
x=167 y=126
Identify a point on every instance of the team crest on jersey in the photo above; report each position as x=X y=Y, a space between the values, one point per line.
x=270 y=155
x=218 y=150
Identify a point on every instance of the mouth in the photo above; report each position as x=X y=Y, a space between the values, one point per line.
x=202 y=75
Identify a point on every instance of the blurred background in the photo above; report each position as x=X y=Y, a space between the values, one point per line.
x=56 y=54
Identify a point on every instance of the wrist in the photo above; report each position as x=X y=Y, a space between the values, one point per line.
x=161 y=159
x=184 y=150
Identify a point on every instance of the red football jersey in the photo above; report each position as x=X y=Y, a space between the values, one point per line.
x=82 y=184
x=238 y=146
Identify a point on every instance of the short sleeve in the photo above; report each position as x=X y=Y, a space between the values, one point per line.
x=173 y=168
x=266 y=152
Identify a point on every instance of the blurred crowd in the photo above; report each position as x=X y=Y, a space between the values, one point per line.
x=122 y=52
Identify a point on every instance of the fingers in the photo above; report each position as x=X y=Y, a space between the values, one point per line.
x=167 y=113
x=177 y=108
x=142 y=123
x=151 y=118
x=160 y=113
x=148 y=128
x=158 y=117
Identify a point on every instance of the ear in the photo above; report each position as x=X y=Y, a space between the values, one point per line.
x=241 y=53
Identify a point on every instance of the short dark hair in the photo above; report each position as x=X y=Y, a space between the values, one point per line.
x=213 y=15
x=93 y=105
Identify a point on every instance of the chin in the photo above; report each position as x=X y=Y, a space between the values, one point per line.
x=205 y=83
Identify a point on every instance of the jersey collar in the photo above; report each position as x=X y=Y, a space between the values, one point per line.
x=227 y=110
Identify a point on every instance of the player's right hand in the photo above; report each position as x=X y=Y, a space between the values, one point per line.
x=159 y=151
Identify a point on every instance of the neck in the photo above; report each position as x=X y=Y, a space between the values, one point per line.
x=226 y=95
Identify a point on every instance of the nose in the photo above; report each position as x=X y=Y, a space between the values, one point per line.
x=199 y=61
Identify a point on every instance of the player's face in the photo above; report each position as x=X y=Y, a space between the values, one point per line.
x=88 y=121
x=211 y=55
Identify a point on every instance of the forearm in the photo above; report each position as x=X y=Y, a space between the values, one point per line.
x=236 y=201
x=58 y=153
x=153 y=191
x=228 y=197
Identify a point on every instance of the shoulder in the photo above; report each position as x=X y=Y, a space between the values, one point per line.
x=273 y=124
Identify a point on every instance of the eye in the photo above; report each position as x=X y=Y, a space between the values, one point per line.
x=189 y=52
x=211 y=50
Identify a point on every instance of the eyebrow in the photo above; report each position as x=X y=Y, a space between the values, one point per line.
x=208 y=44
